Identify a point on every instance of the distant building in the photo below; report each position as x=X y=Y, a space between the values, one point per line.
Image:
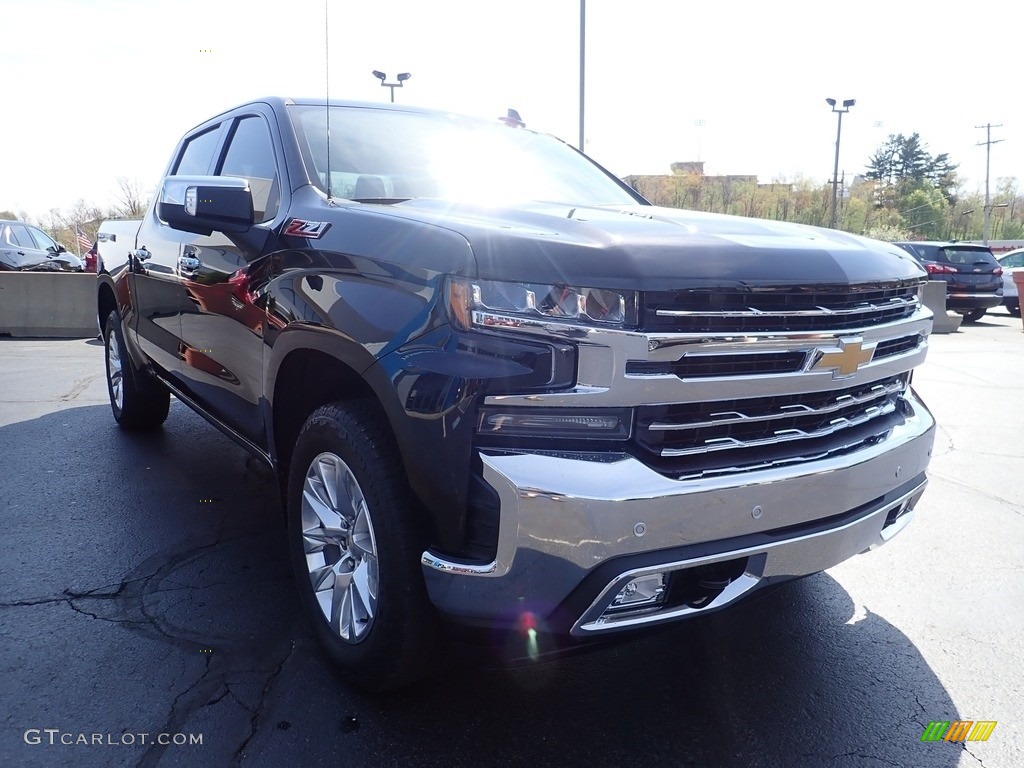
x=691 y=166
x=672 y=189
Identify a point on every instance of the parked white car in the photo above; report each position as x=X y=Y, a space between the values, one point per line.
x=1012 y=261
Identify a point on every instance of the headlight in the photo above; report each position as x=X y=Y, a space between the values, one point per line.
x=489 y=303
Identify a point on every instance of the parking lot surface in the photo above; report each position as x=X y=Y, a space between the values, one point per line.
x=145 y=590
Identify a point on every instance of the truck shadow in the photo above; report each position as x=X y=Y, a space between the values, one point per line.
x=788 y=679
x=185 y=549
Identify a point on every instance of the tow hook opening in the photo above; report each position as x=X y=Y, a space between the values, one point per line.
x=698 y=587
x=899 y=515
x=896 y=513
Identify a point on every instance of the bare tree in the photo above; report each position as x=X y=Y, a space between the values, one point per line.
x=131 y=202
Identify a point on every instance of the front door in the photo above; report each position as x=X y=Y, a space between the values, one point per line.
x=221 y=328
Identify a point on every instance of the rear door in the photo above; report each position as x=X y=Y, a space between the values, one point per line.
x=157 y=282
x=21 y=248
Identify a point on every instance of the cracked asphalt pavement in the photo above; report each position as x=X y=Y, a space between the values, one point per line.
x=145 y=590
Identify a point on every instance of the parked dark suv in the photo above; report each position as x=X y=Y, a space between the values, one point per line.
x=28 y=249
x=973 y=276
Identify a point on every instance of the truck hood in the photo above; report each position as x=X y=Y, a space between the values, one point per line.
x=645 y=247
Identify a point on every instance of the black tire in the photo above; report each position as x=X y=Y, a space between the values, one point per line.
x=973 y=315
x=142 y=402
x=398 y=644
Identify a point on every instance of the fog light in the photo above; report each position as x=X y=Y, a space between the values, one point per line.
x=641 y=591
x=578 y=423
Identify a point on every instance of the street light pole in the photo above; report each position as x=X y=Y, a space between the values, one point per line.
x=839 y=132
x=402 y=77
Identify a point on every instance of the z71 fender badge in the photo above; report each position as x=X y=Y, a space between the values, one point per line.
x=309 y=229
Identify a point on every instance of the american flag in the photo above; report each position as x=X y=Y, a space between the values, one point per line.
x=83 y=241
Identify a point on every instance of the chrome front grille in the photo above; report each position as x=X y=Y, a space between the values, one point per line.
x=730 y=434
x=778 y=309
x=726 y=364
x=891 y=347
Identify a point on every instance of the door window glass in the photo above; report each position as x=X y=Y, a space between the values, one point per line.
x=250 y=156
x=20 y=235
x=197 y=157
x=43 y=240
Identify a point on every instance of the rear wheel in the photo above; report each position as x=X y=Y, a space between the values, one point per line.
x=356 y=542
x=973 y=315
x=137 y=400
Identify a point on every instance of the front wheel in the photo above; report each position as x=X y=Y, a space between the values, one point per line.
x=138 y=401
x=356 y=542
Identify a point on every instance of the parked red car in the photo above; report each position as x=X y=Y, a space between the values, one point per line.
x=91 y=259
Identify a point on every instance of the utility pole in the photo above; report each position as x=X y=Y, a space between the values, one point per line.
x=987 y=143
x=583 y=64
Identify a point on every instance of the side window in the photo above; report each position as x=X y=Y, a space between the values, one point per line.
x=43 y=240
x=197 y=157
x=20 y=235
x=250 y=155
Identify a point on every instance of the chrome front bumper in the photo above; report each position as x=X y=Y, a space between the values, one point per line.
x=564 y=516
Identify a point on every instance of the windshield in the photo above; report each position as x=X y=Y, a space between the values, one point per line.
x=385 y=154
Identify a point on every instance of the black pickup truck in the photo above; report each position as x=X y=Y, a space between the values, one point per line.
x=500 y=390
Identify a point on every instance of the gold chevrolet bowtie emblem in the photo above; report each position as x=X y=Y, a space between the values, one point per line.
x=845 y=361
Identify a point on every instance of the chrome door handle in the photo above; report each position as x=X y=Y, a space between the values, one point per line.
x=142 y=254
x=189 y=263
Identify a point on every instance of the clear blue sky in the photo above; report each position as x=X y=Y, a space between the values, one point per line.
x=101 y=89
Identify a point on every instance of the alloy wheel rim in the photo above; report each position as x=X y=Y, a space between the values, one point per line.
x=340 y=547
x=114 y=371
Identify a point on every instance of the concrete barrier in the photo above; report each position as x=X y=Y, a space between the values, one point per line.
x=54 y=304
x=935 y=299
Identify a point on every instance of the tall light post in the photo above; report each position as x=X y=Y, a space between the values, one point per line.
x=402 y=77
x=840 y=111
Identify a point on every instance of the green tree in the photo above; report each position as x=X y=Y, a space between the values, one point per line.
x=902 y=164
x=927 y=213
